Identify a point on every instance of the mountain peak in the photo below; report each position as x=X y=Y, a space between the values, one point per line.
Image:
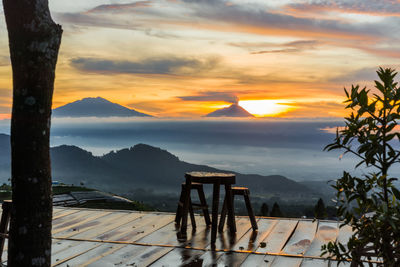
x=233 y=110
x=140 y=153
x=95 y=107
x=95 y=99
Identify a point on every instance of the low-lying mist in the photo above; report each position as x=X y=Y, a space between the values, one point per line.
x=292 y=148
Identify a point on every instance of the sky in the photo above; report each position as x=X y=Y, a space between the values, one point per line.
x=186 y=58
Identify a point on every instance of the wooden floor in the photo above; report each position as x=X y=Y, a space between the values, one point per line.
x=84 y=237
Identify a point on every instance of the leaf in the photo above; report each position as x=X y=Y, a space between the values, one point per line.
x=396 y=192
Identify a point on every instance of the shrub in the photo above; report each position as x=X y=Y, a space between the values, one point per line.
x=370 y=204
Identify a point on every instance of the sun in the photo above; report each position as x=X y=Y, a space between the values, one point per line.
x=266 y=108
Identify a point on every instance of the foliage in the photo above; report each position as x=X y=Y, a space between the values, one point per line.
x=276 y=211
x=370 y=205
x=66 y=189
x=264 y=209
x=320 y=210
x=5 y=187
x=100 y=204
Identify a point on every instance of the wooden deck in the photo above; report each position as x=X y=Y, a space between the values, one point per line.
x=84 y=237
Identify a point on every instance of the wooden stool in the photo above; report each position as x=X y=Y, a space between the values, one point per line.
x=245 y=192
x=202 y=205
x=216 y=179
x=5 y=220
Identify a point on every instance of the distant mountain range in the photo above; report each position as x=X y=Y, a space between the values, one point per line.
x=141 y=166
x=101 y=107
x=95 y=107
x=233 y=110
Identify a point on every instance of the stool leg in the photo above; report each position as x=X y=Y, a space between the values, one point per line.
x=250 y=211
x=215 y=213
x=5 y=219
x=204 y=204
x=192 y=215
x=231 y=213
x=186 y=202
x=223 y=216
x=178 y=215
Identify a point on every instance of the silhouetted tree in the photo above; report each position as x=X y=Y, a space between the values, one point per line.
x=34 y=41
x=264 y=209
x=320 y=210
x=276 y=211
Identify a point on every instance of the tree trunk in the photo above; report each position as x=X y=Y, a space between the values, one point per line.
x=34 y=41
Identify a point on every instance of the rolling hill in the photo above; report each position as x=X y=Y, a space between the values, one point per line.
x=141 y=166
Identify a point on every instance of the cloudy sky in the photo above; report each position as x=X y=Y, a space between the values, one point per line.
x=185 y=58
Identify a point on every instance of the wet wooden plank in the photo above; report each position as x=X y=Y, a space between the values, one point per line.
x=119 y=232
x=5 y=248
x=57 y=210
x=59 y=222
x=315 y=263
x=258 y=260
x=92 y=255
x=108 y=223
x=327 y=232
x=78 y=223
x=226 y=240
x=118 y=257
x=277 y=238
x=159 y=228
x=114 y=234
x=342 y=264
x=251 y=240
x=167 y=235
x=63 y=213
x=86 y=223
x=91 y=224
x=344 y=235
x=232 y=259
x=60 y=245
x=282 y=261
x=200 y=238
x=57 y=246
x=301 y=239
x=147 y=256
x=374 y=259
x=179 y=257
x=72 y=252
x=5 y=252
x=142 y=228
x=210 y=258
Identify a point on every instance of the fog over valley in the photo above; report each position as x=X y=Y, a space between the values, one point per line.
x=261 y=146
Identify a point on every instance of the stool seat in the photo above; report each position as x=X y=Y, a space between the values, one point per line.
x=211 y=177
x=237 y=190
x=245 y=192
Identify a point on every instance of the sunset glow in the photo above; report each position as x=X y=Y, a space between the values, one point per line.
x=264 y=108
x=181 y=58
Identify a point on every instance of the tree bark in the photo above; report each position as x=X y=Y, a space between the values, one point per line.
x=34 y=41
